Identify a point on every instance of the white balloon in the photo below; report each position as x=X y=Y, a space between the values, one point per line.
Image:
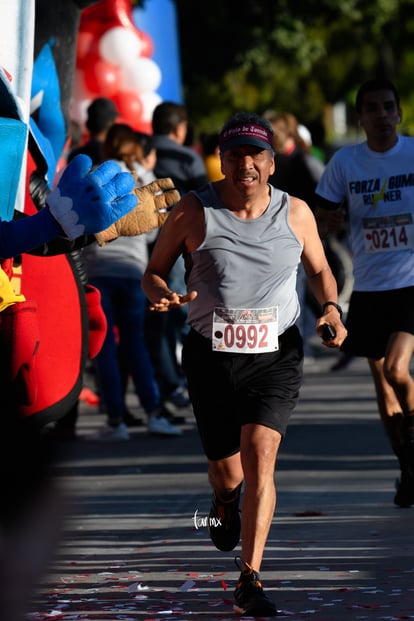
x=117 y=45
x=140 y=74
x=149 y=102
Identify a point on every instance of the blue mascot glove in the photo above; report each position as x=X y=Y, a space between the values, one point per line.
x=88 y=201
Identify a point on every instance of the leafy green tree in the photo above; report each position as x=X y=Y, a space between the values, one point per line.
x=300 y=56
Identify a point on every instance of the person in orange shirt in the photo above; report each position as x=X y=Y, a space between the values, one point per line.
x=211 y=156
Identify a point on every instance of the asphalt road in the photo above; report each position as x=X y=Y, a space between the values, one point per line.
x=338 y=549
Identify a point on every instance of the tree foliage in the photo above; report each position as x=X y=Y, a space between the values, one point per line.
x=300 y=56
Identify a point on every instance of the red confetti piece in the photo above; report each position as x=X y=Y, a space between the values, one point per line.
x=224 y=585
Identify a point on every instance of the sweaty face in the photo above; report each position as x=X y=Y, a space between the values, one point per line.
x=248 y=165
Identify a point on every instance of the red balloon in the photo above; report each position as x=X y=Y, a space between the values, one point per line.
x=143 y=126
x=129 y=106
x=147 y=44
x=84 y=45
x=102 y=78
x=86 y=61
x=107 y=14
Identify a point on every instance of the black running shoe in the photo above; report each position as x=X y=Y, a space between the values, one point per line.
x=249 y=597
x=224 y=522
x=405 y=490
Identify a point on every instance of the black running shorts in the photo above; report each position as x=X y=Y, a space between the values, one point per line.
x=228 y=390
x=373 y=316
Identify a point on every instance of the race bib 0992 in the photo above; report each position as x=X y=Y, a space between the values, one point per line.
x=246 y=330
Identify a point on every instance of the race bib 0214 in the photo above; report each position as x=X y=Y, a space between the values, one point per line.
x=388 y=233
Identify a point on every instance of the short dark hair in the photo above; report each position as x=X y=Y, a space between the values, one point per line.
x=145 y=141
x=166 y=116
x=101 y=113
x=209 y=142
x=376 y=84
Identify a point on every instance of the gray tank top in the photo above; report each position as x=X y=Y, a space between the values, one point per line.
x=244 y=263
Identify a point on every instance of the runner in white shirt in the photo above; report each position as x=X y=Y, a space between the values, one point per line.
x=374 y=181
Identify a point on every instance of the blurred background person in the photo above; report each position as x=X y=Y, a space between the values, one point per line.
x=297 y=172
x=101 y=114
x=146 y=158
x=174 y=159
x=211 y=155
x=182 y=163
x=116 y=270
x=319 y=147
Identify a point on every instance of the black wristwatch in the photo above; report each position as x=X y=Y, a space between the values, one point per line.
x=338 y=308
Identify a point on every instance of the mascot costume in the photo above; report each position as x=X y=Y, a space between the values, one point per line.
x=48 y=274
x=50 y=319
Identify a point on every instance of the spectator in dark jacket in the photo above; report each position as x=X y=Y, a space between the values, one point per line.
x=180 y=162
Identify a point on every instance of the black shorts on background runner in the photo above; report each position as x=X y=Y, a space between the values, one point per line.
x=373 y=316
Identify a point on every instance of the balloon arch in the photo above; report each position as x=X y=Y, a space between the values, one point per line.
x=114 y=59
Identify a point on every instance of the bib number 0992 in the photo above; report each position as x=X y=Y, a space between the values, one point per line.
x=253 y=336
